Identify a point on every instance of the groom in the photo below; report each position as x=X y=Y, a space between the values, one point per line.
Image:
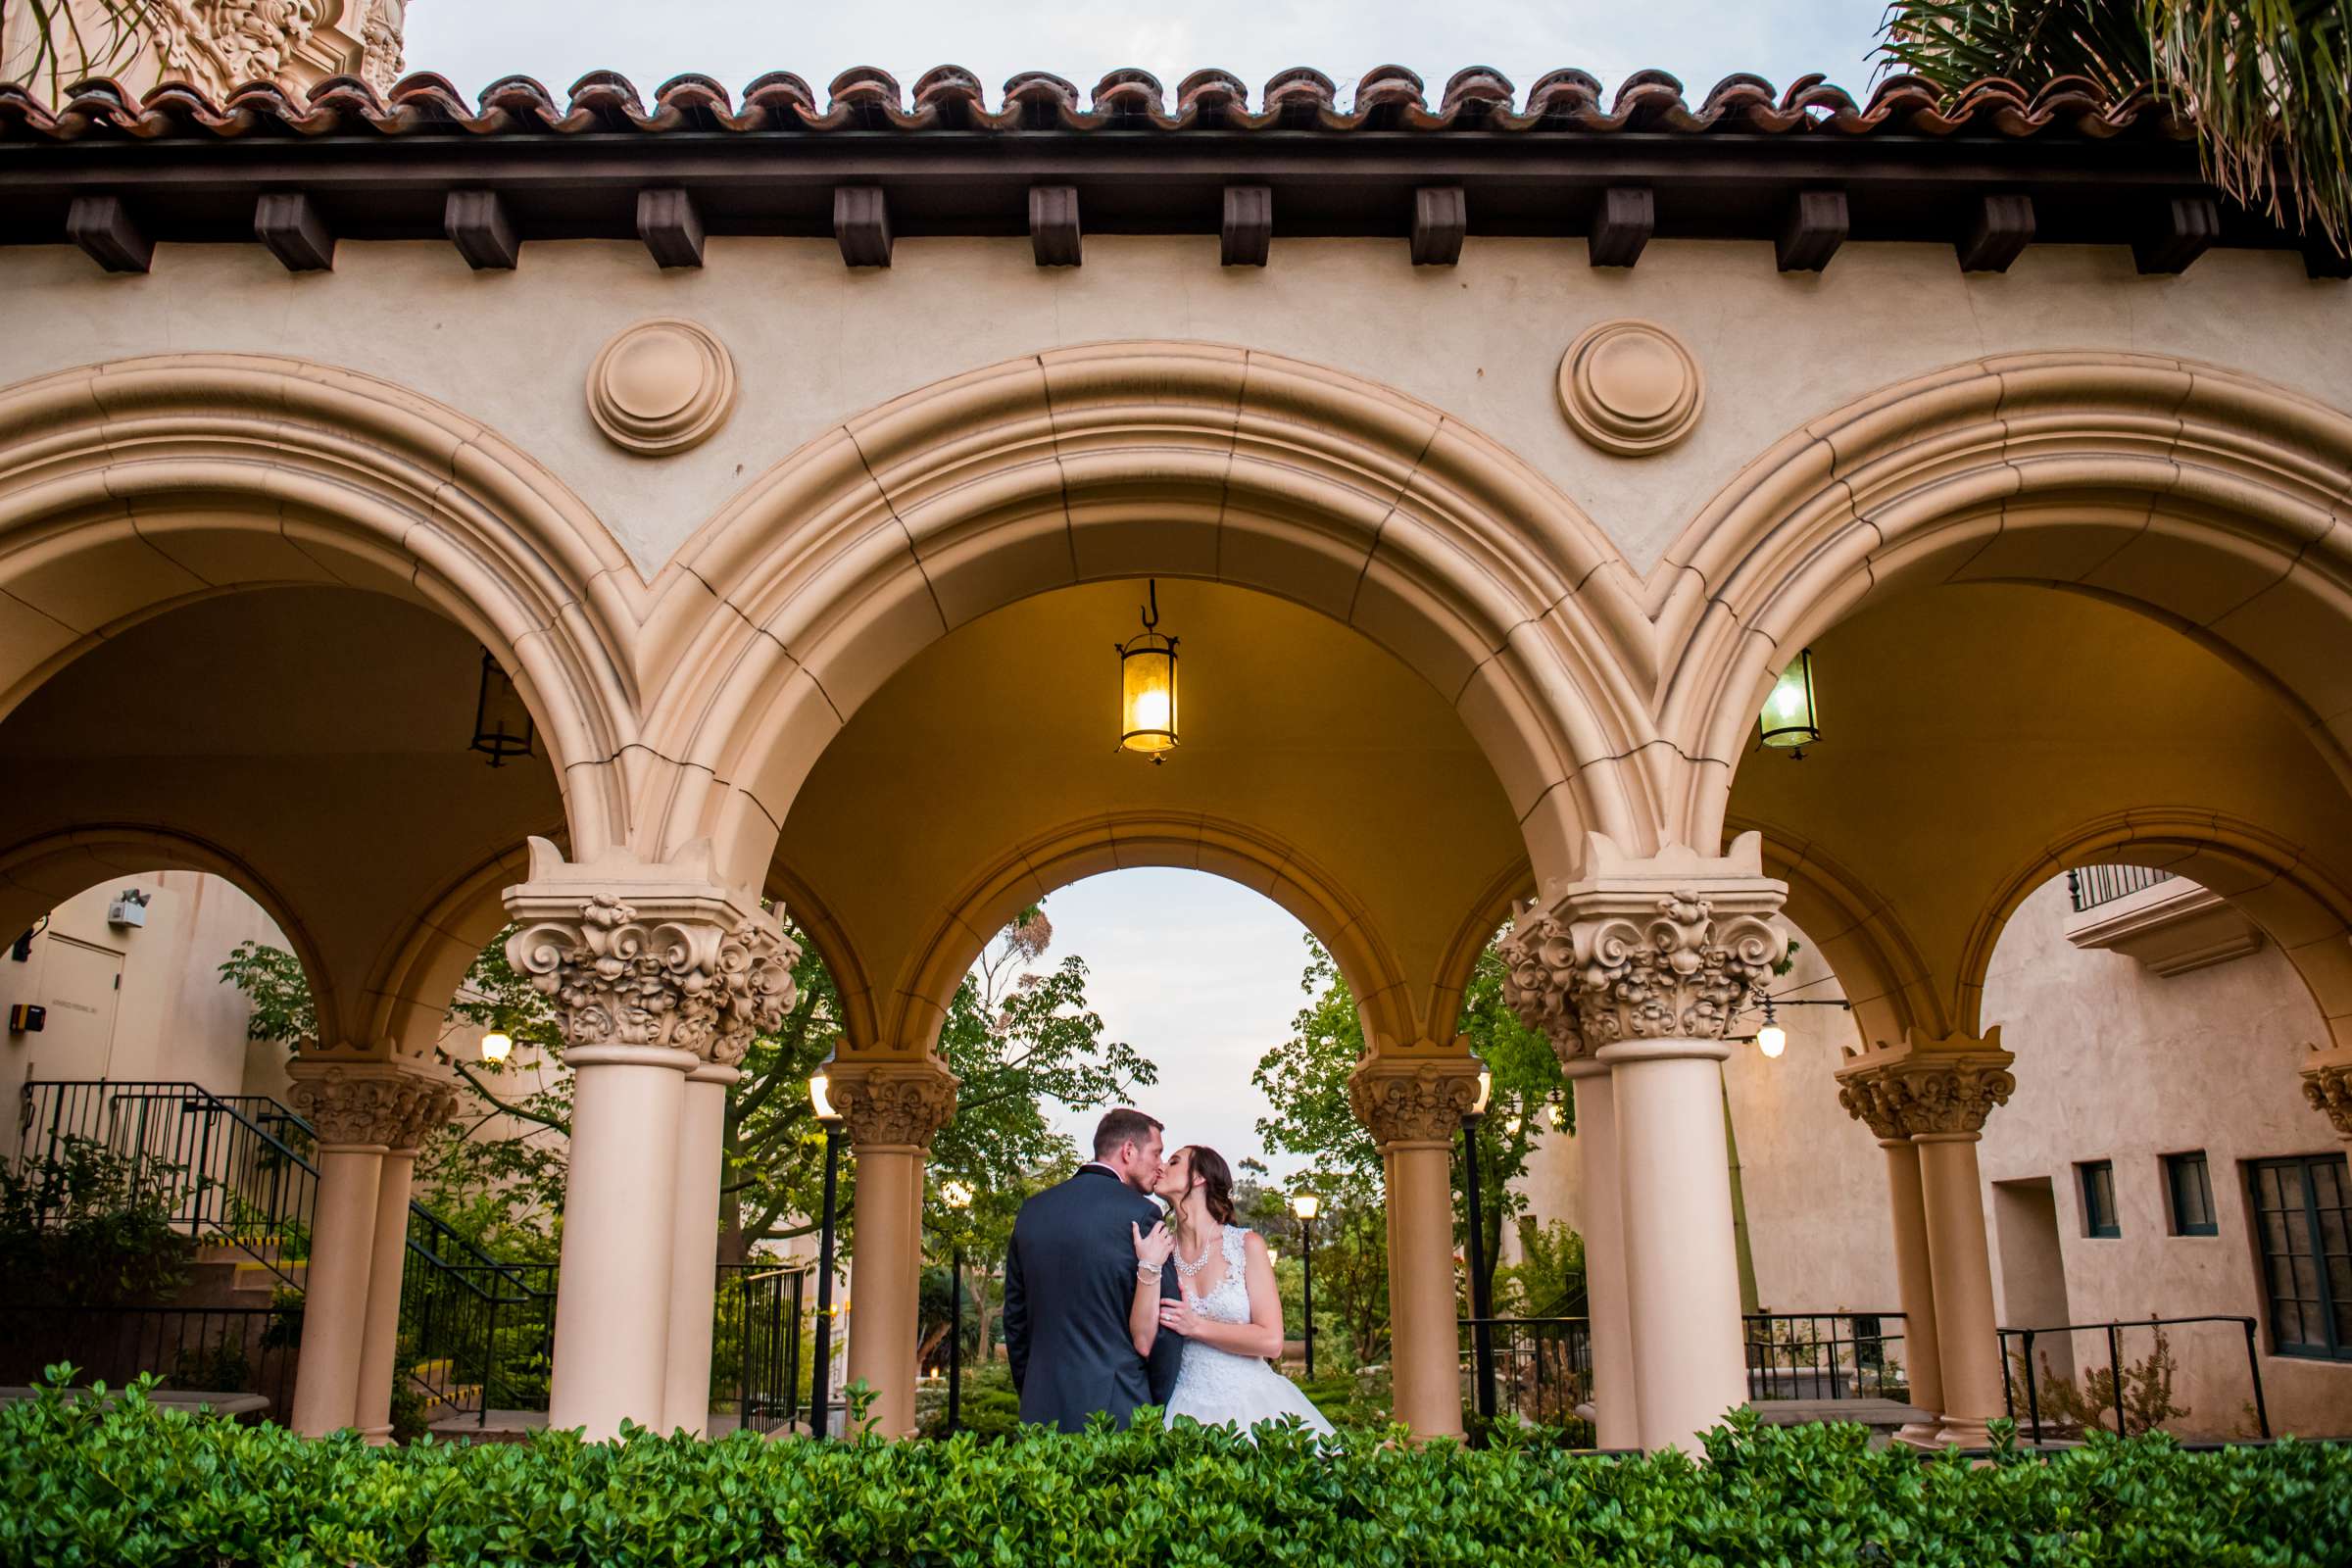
x=1070 y=1278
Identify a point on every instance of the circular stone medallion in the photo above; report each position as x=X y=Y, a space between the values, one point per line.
x=1631 y=387
x=661 y=386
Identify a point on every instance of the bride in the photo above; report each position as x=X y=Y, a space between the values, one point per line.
x=1229 y=1313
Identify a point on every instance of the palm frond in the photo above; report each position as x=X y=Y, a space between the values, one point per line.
x=64 y=52
x=2268 y=83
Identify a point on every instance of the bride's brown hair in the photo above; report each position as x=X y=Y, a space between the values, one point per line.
x=1216 y=1182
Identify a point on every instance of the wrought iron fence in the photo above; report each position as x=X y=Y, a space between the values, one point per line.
x=238 y=1165
x=1825 y=1355
x=756 y=1344
x=2055 y=1408
x=2094 y=885
x=476 y=1334
x=226 y=1350
x=1543 y=1369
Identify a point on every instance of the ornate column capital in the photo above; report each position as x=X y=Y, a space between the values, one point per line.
x=1408 y=1101
x=1927 y=1087
x=1667 y=947
x=651 y=955
x=368 y=1103
x=892 y=1105
x=2327 y=1085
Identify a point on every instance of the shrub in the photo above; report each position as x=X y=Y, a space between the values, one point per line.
x=119 y=1482
x=89 y=1226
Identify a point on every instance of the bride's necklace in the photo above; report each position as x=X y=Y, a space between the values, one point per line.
x=1186 y=1269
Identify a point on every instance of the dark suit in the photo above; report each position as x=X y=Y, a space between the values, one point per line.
x=1069 y=1279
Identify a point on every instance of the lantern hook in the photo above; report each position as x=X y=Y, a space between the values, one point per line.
x=1151 y=612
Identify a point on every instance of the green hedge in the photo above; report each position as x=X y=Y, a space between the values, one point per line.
x=125 y=1484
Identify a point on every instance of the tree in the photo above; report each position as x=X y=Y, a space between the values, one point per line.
x=1305 y=1079
x=277 y=989
x=2268 y=83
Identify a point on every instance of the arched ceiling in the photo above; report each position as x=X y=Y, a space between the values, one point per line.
x=1003 y=734
x=313 y=740
x=1970 y=732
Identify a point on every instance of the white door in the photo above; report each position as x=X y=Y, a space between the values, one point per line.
x=79 y=986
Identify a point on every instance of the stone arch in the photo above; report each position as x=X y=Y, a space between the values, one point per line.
x=409 y=992
x=2297 y=904
x=914 y=1012
x=129 y=487
x=1862 y=938
x=1127 y=460
x=859 y=1008
x=2208 y=500
x=1511 y=887
x=38 y=874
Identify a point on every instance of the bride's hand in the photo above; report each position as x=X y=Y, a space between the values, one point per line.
x=1152 y=1251
x=1177 y=1317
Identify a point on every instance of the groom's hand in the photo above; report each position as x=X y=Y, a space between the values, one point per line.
x=1152 y=1251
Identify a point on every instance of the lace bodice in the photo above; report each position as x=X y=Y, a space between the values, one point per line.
x=1229 y=1300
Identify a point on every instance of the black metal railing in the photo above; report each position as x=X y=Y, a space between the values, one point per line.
x=222 y=1350
x=2092 y=1404
x=1825 y=1355
x=756 y=1337
x=1543 y=1369
x=476 y=1334
x=2094 y=885
x=237 y=1167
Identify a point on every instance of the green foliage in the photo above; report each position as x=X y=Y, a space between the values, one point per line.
x=87 y=1226
x=2069 y=1410
x=2266 y=82
x=1306 y=1080
x=273 y=983
x=120 y=1483
x=1549 y=1280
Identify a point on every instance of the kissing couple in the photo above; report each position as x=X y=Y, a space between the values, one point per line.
x=1109 y=1306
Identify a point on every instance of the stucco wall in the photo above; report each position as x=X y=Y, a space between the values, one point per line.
x=172 y=1018
x=814 y=342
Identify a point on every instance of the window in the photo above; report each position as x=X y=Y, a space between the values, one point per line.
x=2302 y=1212
x=2098 y=1198
x=2191 y=1187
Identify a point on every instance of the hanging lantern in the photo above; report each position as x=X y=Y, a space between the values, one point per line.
x=502 y=723
x=497 y=1046
x=1147 y=687
x=1791 y=718
x=1771 y=1039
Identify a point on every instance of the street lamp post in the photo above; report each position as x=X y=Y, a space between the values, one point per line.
x=959 y=1198
x=1307 y=1206
x=1482 y=1333
x=820 y=1389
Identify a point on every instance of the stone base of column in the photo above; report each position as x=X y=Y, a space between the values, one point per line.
x=1920 y=1434
x=1967 y=1433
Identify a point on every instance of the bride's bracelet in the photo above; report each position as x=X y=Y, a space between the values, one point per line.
x=1146 y=1273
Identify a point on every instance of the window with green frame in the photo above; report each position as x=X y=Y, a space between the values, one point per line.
x=2098 y=1198
x=2191 y=1187
x=2302 y=1217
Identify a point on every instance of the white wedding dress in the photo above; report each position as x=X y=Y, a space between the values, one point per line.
x=1217 y=1388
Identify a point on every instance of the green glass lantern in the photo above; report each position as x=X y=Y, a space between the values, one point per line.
x=1791 y=717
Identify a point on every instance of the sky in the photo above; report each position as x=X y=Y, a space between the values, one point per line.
x=1200 y=974
x=475 y=42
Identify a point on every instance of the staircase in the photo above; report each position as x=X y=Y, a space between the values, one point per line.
x=474 y=1330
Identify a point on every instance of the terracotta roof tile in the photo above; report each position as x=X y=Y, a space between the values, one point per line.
x=951 y=99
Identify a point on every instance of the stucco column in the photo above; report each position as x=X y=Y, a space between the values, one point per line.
x=1937 y=1092
x=1644 y=964
x=2327 y=1085
x=1414 y=1107
x=892 y=1110
x=1616 y=1423
x=655 y=972
x=694 y=1247
x=361 y=1112
x=1915 y=1278
x=379 y=1340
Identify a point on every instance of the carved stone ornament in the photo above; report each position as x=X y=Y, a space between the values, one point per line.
x=653 y=956
x=890 y=1104
x=1414 y=1101
x=383 y=49
x=364 y=1104
x=1670 y=947
x=661 y=386
x=1928 y=1086
x=220 y=45
x=2327 y=1085
x=1631 y=389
